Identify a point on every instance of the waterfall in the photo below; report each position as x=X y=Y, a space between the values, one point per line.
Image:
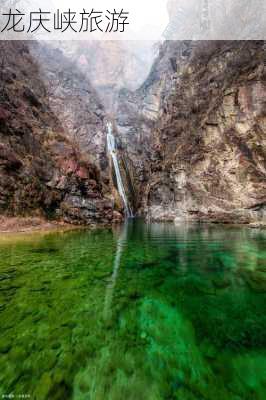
x=111 y=146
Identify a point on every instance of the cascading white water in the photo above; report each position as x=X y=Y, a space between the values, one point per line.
x=111 y=146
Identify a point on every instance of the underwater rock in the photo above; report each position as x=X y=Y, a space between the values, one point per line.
x=256 y=280
x=221 y=281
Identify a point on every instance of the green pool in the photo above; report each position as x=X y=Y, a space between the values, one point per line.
x=137 y=312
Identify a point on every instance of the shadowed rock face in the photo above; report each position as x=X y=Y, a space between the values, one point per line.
x=201 y=120
x=41 y=170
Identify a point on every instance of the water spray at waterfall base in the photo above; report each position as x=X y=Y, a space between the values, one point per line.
x=112 y=150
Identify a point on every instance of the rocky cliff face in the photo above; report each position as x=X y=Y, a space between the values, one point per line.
x=201 y=126
x=191 y=139
x=42 y=172
x=109 y=65
x=115 y=64
x=73 y=99
x=137 y=116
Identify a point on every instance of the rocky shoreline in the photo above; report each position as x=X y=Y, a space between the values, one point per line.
x=12 y=225
x=15 y=225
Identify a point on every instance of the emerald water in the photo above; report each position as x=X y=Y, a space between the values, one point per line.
x=138 y=312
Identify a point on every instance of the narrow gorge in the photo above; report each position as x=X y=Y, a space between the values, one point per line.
x=133 y=216
x=190 y=139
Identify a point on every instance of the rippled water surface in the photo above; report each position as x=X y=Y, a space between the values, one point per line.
x=138 y=312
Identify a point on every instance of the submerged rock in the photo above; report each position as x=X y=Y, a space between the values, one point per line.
x=256 y=280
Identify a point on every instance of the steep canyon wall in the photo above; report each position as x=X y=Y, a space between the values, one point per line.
x=195 y=133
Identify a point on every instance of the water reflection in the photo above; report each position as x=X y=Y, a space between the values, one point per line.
x=121 y=242
x=141 y=311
